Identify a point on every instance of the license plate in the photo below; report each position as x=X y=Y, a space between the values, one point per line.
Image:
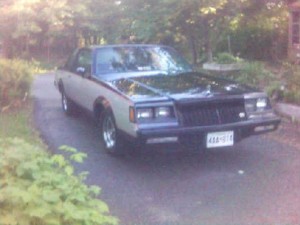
x=220 y=139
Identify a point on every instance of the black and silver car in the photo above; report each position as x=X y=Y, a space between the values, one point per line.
x=150 y=94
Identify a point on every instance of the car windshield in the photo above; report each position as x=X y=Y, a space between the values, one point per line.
x=123 y=59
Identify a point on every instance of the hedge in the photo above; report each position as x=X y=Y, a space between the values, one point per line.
x=15 y=79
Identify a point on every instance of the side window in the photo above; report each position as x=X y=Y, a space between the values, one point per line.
x=80 y=58
x=84 y=59
x=71 y=61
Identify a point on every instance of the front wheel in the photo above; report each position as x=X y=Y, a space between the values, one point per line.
x=113 y=142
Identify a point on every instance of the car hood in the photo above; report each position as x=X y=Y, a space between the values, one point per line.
x=178 y=87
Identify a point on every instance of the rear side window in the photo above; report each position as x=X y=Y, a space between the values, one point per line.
x=84 y=58
x=71 y=61
x=80 y=58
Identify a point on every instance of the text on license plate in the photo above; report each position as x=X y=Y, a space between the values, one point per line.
x=220 y=139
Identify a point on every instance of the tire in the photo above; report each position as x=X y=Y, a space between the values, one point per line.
x=114 y=144
x=67 y=105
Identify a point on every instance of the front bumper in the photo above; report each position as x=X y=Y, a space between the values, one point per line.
x=199 y=133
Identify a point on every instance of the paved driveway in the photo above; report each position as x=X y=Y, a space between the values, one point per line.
x=256 y=182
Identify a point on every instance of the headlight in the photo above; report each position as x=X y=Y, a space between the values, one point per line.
x=261 y=103
x=144 y=113
x=257 y=105
x=155 y=114
x=161 y=112
x=250 y=105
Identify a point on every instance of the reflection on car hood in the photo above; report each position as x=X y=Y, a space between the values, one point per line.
x=178 y=87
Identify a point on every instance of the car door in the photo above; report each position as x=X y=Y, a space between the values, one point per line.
x=68 y=75
x=81 y=69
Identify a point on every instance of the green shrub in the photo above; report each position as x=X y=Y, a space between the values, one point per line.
x=226 y=58
x=256 y=43
x=292 y=77
x=37 y=189
x=15 y=80
x=254 y=74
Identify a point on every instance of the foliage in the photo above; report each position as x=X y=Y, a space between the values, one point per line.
x=200 y=24
x=196 y=28
x=257 y=43
x=16 y=123
x=292 y=77
x=260 y=32
x=36 y=188
x=226 y=58
x=15 y=79
x=254 y=74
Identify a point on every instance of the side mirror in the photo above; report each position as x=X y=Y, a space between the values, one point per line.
x=80 y=70
x=84 y=72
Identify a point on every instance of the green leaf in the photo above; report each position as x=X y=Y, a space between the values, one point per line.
x=68 y=149
x=95 y=190
x=38 y=211
x=78 y=157
x=59 y=160
x=51 y=196
x=83 y=175
x=69 y=170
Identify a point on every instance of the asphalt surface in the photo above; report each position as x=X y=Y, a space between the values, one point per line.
x=255 y=182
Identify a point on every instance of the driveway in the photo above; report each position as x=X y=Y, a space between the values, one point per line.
x=255 y=182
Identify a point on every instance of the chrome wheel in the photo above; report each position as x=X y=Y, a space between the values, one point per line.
x=109 y=132
x=65 y=103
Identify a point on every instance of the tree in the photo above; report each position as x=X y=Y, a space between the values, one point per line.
x=198 y=27
x=32 y=23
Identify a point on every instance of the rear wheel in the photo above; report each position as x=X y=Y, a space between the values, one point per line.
x=67 y=105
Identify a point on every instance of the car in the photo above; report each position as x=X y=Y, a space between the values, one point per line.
x=149 y=94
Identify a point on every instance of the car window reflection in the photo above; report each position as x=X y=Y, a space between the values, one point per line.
x=137 y=59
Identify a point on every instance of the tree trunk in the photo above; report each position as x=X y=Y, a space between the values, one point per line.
x=208 y=45
x=194 y=49
x=209 y=53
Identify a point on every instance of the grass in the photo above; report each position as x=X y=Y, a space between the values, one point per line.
x=17 y=123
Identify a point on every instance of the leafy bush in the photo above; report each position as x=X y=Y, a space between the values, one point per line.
x=256 y=43
x=36 y=188
x=15 y=80
x=226 y=58
x=291 y=75
x=254 y=74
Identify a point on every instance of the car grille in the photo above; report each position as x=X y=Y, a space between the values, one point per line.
x=211 y=113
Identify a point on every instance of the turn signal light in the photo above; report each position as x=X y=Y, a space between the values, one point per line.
x=131 y=115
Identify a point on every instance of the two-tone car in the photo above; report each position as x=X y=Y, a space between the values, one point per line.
x=150 y=94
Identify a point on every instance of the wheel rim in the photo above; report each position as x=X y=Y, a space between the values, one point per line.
x=64 y=102
x=109 y=132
